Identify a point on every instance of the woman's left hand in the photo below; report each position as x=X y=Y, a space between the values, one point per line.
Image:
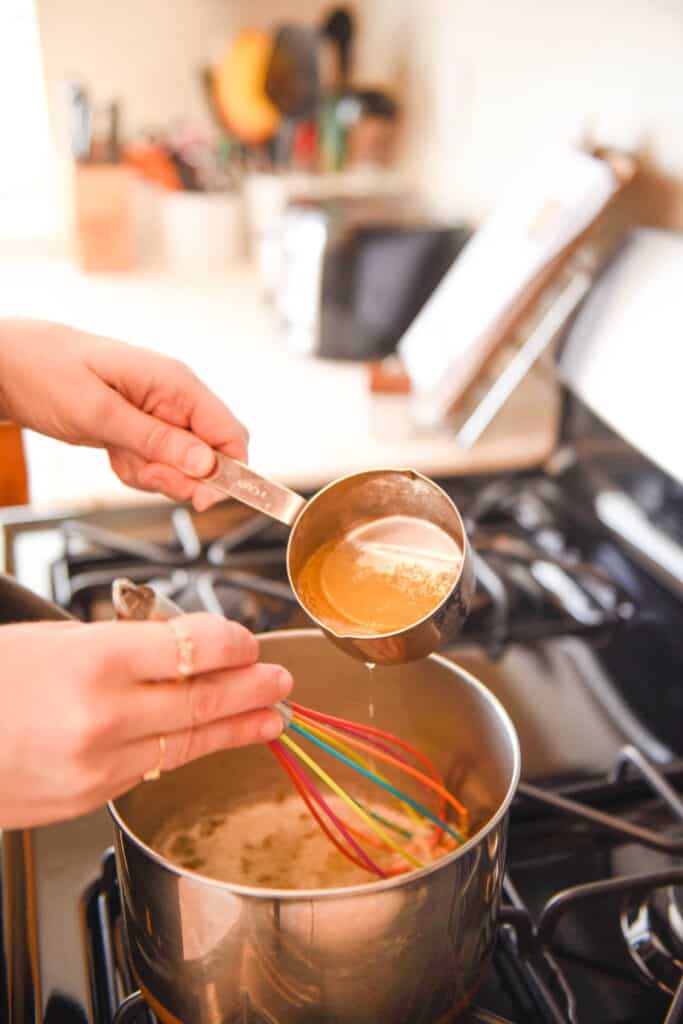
x=156 y=419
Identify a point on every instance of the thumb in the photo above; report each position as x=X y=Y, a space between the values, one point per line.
x=157 y=441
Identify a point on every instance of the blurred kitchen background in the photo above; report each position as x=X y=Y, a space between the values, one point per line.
x=273 y=191
x=438 y=234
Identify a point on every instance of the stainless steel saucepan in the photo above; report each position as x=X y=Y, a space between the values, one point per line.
x=339 y=507
x=397 y=951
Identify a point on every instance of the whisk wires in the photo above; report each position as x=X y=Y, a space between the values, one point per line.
x=340 y=792
x=403 y=797
x=302 y=783
x=432 y=784
x=344 y=748
x=358 y=747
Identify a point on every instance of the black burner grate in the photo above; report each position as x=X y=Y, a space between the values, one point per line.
x=531 y=583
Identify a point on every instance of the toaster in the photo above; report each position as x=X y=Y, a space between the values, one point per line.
x=354 y=273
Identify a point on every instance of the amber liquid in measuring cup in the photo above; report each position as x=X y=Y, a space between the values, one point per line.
x=381 y=576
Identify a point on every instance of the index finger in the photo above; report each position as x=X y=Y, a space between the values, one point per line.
x=214 y=423
x=144 y=651
x=181 y=399
x=209 y=422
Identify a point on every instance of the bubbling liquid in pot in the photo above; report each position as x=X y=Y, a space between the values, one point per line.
x=380 y=577
x=277 y=844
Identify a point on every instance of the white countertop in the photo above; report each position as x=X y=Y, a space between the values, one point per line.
x=310 y=420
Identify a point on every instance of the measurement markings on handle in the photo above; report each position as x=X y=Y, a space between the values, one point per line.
x=253 y=489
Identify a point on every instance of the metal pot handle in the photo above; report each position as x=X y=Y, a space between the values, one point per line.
x=236 y=480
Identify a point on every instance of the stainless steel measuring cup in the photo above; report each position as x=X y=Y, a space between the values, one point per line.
x=337 y=508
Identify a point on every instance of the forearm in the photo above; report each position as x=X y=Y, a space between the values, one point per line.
x=20 y=340
x=41 y=374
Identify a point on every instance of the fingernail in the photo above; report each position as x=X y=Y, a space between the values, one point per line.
x=201 y=500
x=199 y=461
x=271 y=728
x=284 y=683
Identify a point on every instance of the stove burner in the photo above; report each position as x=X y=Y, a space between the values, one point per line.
x=224 y=575
x=653 y=927
x=675 y=914
x=648 y=928
x=531 y=582
x=652 y=901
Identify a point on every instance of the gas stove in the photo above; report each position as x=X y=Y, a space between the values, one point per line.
x=578 y=640
x=575 y=627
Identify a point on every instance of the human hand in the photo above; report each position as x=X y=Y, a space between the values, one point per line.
x=83 y=707
x=156 y=419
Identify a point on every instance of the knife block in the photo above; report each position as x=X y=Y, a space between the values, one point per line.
x=104 y=217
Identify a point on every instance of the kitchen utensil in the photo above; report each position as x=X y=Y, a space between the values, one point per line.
x=239 y=85
x=396 y=950
x=79 y=114
x=114 y=139
x=305 y=147
x=187 y=174
x=331 y=135
x=370 y=118
x=338 y=28
x=336 y=35
x=292 y=72
x=337 y=508
x=208 y=86
x=104 y=127
x=292 y=85
x=154 y=164
x=340 y=739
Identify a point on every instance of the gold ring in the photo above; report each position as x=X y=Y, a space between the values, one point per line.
x=185 y=645
x=155 y=773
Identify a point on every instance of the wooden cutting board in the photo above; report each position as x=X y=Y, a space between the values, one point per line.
x=13 y=474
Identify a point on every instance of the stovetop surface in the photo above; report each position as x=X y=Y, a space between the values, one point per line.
x=582 y=645
x=563 y=956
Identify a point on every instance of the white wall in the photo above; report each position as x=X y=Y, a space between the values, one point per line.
x=483 y=81
x=488 y=81
x=148 y=52
x=145 y=52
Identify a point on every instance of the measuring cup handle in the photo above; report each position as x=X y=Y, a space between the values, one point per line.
x=238 y=481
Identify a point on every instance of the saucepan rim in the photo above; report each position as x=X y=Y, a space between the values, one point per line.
x=366 y=888
x=428 y=615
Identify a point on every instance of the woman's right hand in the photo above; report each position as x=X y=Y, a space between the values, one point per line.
x=83 y=707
